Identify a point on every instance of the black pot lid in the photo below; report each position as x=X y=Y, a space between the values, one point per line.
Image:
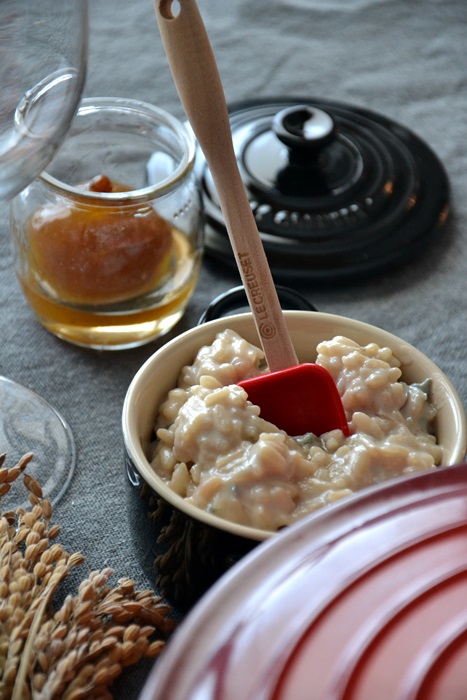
x=336 y=190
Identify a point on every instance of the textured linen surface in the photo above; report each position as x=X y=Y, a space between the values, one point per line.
x=406 y=60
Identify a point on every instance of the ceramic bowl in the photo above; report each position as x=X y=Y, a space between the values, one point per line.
x=186 y=548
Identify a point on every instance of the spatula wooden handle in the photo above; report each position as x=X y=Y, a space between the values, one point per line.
x=197 y=80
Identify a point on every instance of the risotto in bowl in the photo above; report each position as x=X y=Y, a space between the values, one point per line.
x=212 y=478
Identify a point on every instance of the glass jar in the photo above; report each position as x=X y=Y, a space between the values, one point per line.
x=108 y=242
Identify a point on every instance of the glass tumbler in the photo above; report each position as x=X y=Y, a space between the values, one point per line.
x=108 y=242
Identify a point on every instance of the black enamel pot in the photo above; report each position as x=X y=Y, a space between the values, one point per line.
x=186 y=548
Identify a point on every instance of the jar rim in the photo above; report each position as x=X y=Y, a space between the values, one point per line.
x=177 y=127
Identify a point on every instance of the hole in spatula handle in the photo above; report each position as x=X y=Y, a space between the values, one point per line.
x=169 y=9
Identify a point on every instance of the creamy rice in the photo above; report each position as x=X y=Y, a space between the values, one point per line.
x=215 y=450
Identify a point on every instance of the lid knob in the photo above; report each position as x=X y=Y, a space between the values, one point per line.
x=303 y=129
x=306 y=131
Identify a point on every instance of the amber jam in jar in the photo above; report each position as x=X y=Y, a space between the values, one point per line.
x=108 y=242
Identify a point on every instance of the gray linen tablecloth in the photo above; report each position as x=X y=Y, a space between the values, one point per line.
x=405 y=59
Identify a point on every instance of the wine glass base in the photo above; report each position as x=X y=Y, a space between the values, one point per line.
x=29 y=424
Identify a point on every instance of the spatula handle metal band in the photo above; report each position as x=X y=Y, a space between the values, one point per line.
x=196 y=77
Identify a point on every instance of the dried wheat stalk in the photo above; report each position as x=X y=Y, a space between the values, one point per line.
x=77 y=651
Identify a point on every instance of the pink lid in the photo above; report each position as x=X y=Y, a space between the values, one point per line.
x=366 y=599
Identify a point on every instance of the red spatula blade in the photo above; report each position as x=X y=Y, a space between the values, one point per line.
x=300 y=399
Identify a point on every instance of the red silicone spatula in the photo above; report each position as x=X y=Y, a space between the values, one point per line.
x=298 y=398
